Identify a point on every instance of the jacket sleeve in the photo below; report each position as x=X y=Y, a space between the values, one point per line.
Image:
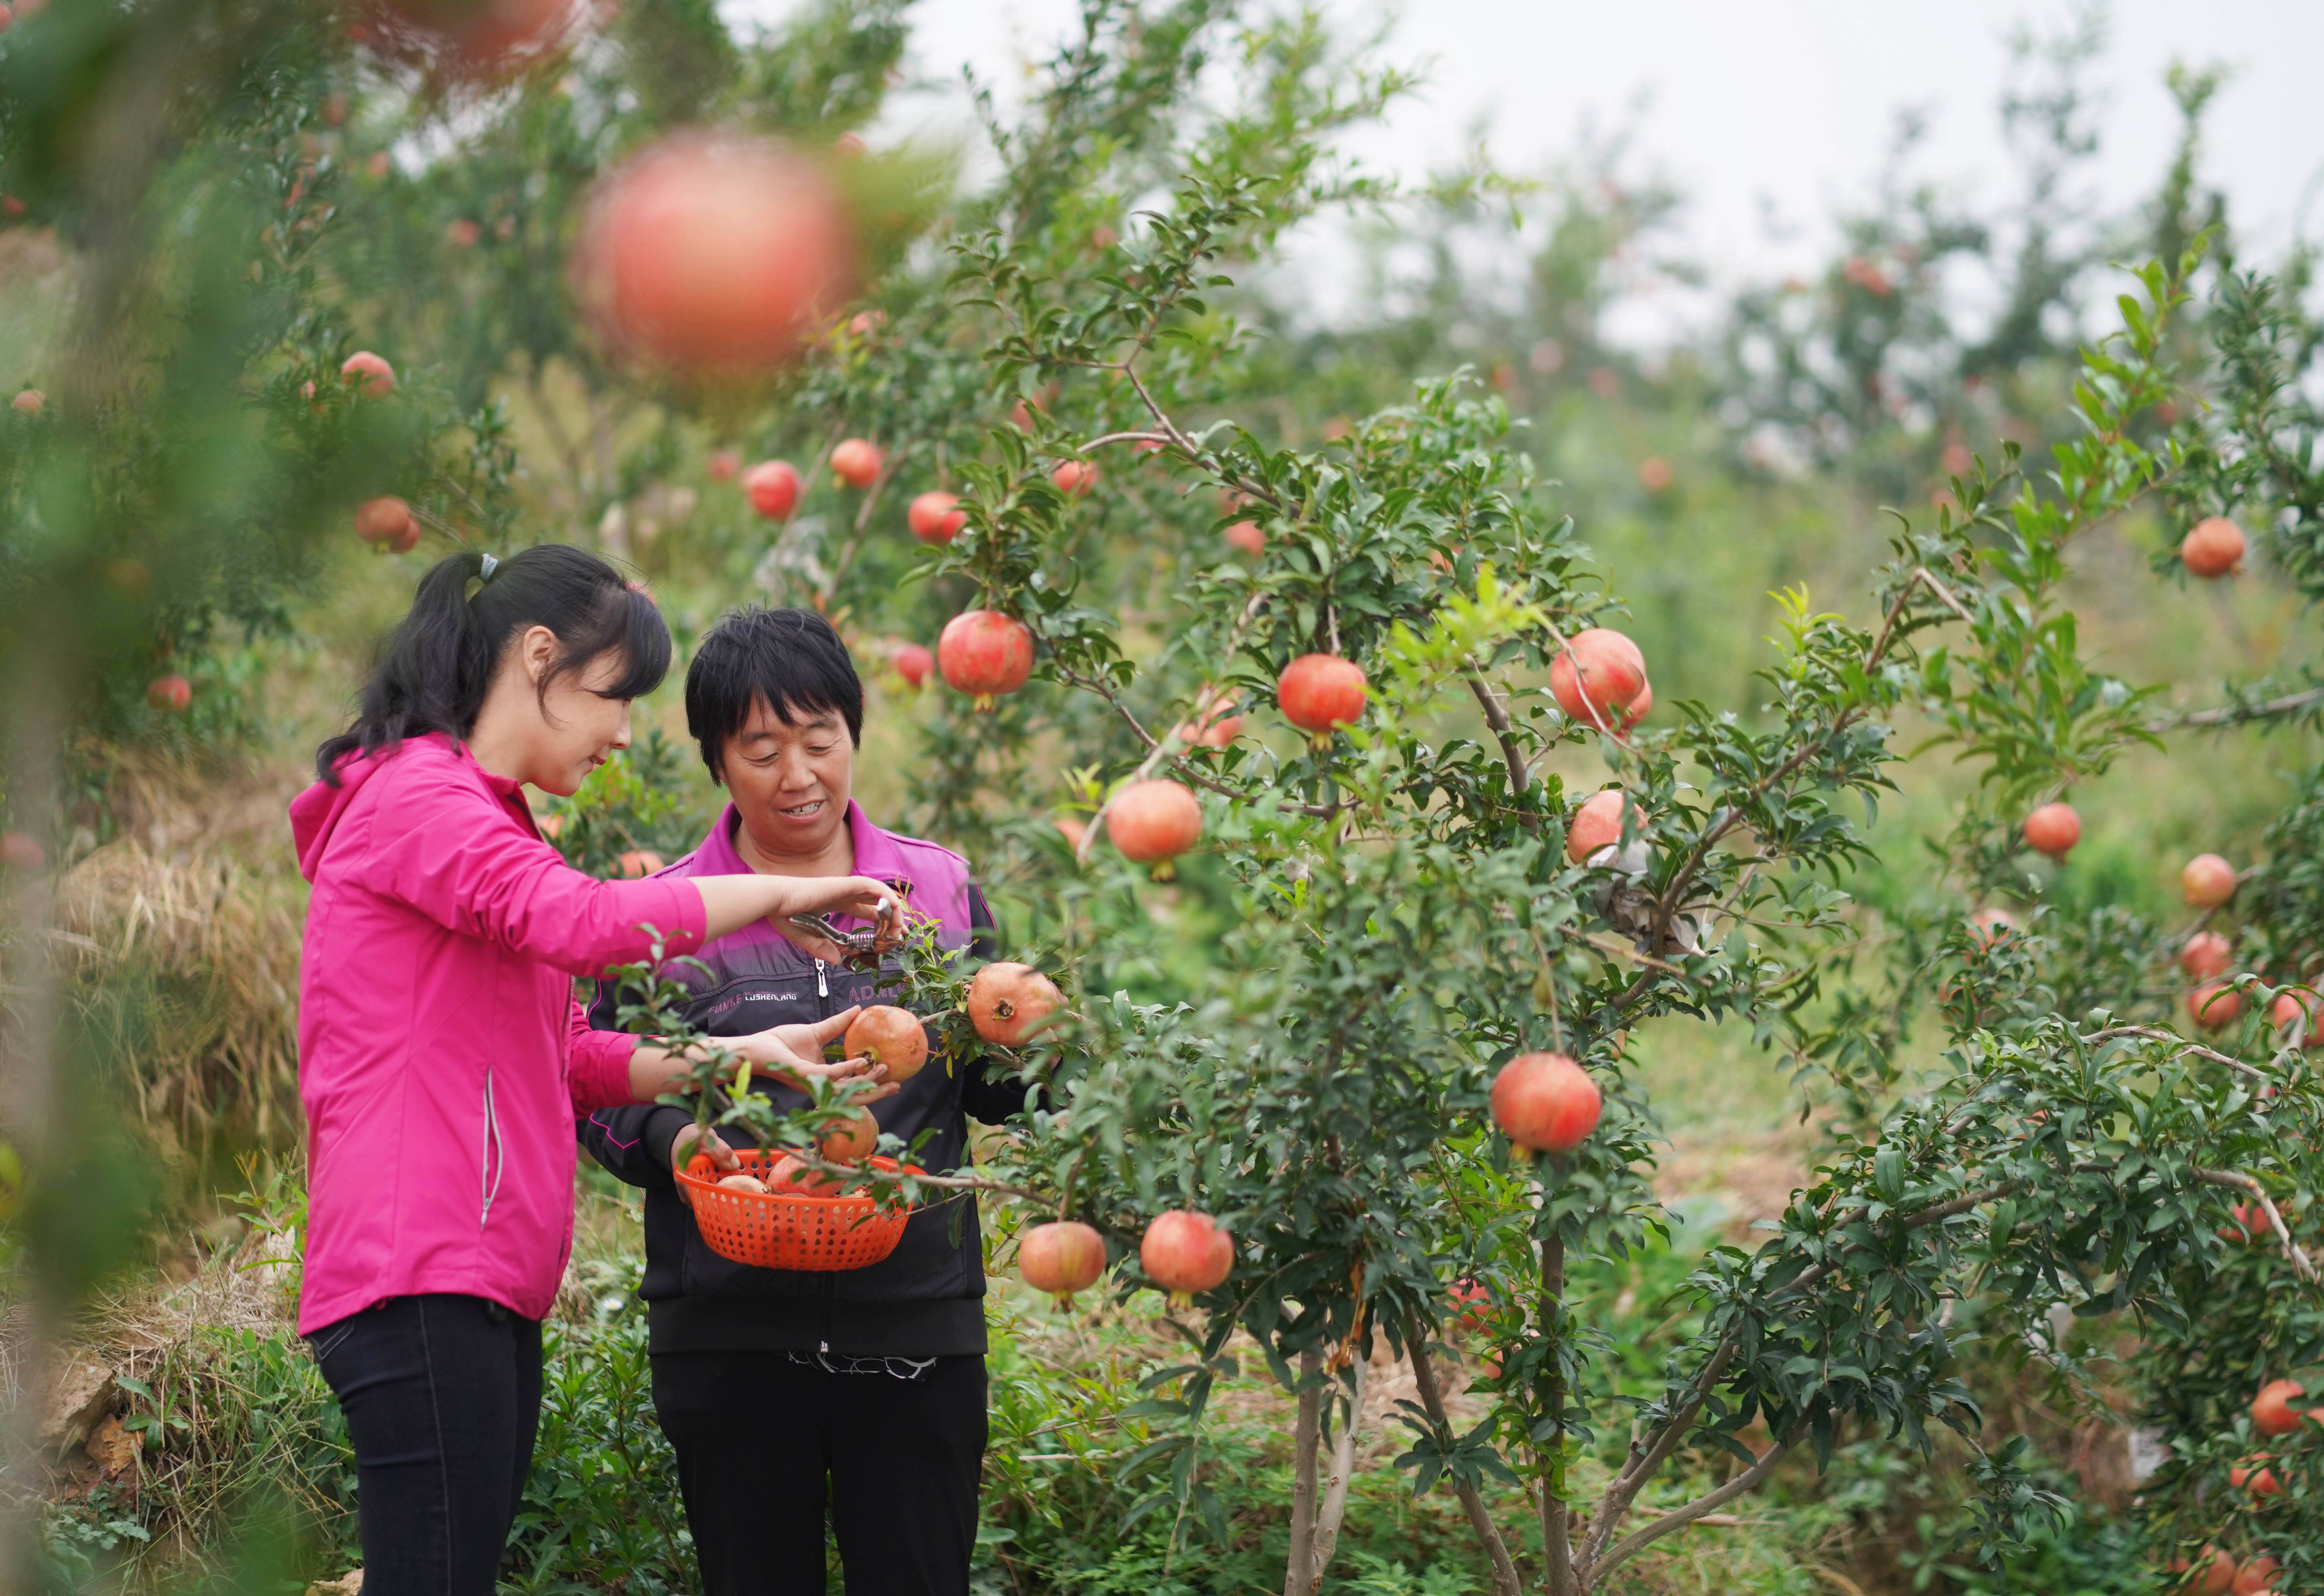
x=632 y=1142
x=597 y=1075
x=471 y=869
x=984 y=1098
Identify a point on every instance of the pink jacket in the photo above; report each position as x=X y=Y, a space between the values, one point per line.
x=441 y=1056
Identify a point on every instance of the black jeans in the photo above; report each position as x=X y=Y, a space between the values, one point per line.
x=757 y=1434
x=442 y=1395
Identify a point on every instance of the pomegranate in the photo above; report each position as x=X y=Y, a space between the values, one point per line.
x=2206 y=956
x=1072 y=828
x=1007 y=1003
x=1215 y=726
x=1245 y=537
x=387 y=522
x=638 y=862
x=743 y=1183
x=1074 y=477
x=1152 y=822
x=2271 y=1411
x=1640 y=707
x=1184 y=1251
x=723 y=465
x=1061 y=1258
x=463 y=234
x=1545 y=1103
x=891 y=1038
x=1596 y=675
x=850 y=1141
x=2214 y=1576
x=372 y=376
x=29 y=401
x=773 y=486
x=2213 y=548
x=2252 y=1474
x=933 y=518
x=2246 y=1222
x=913 y=662
x=2208 y=881
x=2256 y=1577
x=791 y=1176
x=2302 y=1008
x=713 y=252
x=984 y=653
x=2215 y=1005
x=1472 y=1303
x=480 y=39
x=1990 y=925
x=856 y=461
x=20 y=852
x=864 y=323
x=1318 y=692
x=171 y=692
x=2054 y=830
x=1654 y=474
x=1596 y=826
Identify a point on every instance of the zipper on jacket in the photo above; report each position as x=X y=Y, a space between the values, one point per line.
x=822 y=987
x=493 y=1167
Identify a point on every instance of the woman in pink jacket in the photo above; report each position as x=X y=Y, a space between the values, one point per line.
x=441 y=1057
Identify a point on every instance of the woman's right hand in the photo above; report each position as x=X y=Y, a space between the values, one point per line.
x=859 y=897
x=682 y=1149
x=793 y=1054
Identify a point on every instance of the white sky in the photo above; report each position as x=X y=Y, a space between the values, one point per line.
x=1781 y=103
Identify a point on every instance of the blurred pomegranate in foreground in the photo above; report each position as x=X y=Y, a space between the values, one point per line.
x=714 y=254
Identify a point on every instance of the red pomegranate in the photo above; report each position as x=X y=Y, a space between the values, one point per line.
x=1472 y=1303
x=1007 y=1003
x=2208 y=881
x=480 y=39
x=2215 y=1005
x=856 y=461
x=29 y=401
x=462 y=234
x=715 y=253
x=1151 y=822
x=2213 y=548
x=2256 y=1577
x=723 y=465
x=1990 y=925
x=1596 y=675
x=984 y=653
x=2246 y=1222
x=388 y=522
x=1074 y=477
x=790 y=1177
x=1072 y=828
x=1245 y=537
x=372 y=376
x=2054 y=830
x=2254 y=1475
x=2206 y=956
x=1318 y=692
x=2271 y=1411
x=1061 y=1258
x=850 y=1141
x=913 y=662
x=2215 y=1574
x=173 y=692
x=933 y=518
x=638 y=862
x=1214 y=726
x=864 y=324
x=891 y=1038
x=2302 y=1007
x=1545 y=1103
x=18 y=851
x=1184 y=1251
x=773 y=486
x=1597 y=825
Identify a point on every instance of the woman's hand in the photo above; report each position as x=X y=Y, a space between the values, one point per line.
x=857 y=896
x=793 y=1054
x=682 y=1147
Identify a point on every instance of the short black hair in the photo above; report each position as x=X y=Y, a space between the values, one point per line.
x=791 y=658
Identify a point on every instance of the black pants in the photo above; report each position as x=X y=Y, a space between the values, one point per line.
x=756 y=1435
x=442 y=1395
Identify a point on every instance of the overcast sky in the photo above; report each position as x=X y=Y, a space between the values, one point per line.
x=1748 y=104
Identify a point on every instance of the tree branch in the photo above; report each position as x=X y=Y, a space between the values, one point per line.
x=1432 y=1400
x=1497 y=719
x=2236 y=1181
x=1299 y=1567
x=2236 y=714
x=1749 y=1480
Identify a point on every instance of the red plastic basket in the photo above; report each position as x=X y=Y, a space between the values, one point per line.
x=785 y=1230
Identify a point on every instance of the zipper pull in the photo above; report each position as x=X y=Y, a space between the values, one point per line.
x=822 y=987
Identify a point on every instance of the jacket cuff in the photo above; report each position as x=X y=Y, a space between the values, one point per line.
x=598 y=1076
x=672 y=905
x=662 y=1126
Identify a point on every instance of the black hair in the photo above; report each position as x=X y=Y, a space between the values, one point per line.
x=436 y=668
x=790 y=659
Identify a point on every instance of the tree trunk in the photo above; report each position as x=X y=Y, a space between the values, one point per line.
x=1432 y=1399
x=1334 y=1509
x=1557 y=1553
x=1298 y=1569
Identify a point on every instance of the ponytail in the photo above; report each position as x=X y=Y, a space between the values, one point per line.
x=437 y=665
